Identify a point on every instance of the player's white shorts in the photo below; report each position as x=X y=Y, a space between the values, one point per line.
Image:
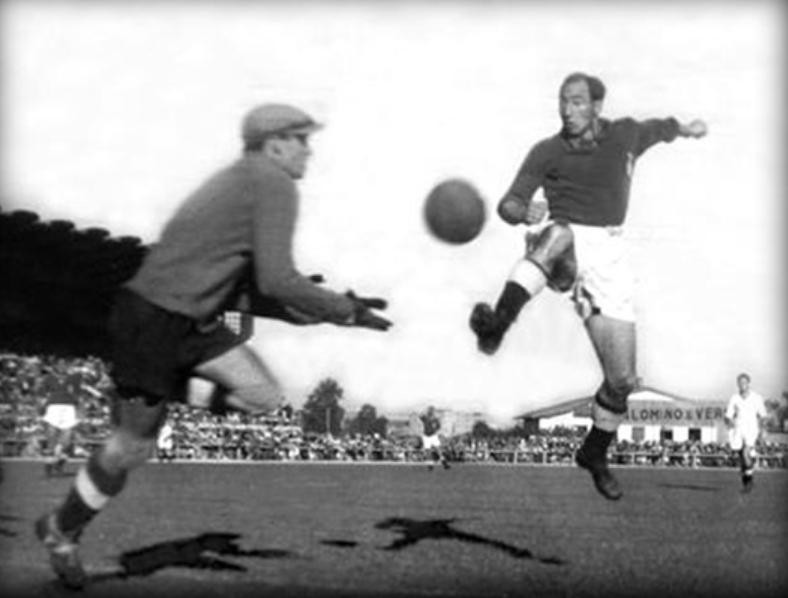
x=739 y=437
x=430 y=442
x=605 y=279
x=61 y=416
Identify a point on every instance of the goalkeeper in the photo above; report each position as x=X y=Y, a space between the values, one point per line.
x=228 y=247
x=586 y=172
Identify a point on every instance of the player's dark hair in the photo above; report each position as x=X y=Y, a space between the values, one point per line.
x=743 y=376
x=596 y=88
x=257 y=145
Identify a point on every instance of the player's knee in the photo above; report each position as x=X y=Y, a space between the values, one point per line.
x=124 y=452
x=551 y=245
x=615 y=392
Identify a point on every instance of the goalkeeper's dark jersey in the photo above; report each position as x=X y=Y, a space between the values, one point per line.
x=242 y=218
x=589 y=185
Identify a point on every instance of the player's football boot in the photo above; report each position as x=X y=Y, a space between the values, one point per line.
x=747 y=483
x=488 y=329
x=604 y=480
x=63 y=552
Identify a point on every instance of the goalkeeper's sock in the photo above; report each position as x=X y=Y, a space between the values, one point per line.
x=93 y=488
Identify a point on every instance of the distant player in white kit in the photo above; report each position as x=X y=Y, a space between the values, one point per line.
x=744 y=415
x=430 y=439
x=165 y=443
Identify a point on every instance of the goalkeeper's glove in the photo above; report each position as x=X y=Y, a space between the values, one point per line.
x=363 y=315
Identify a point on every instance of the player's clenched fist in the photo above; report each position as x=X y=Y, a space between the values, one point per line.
x=536 y=211
x=696 y=128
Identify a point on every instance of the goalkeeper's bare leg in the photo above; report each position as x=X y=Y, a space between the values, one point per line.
x=136 y=420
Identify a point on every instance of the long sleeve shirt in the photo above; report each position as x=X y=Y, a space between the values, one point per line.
x=586 y=185
x=234 y=234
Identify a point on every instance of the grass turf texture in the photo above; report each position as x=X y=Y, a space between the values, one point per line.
x=317 y=530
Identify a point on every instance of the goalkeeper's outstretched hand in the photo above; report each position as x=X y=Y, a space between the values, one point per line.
x=363 y=315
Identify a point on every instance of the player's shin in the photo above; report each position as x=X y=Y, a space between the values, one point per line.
x=93 y=487
x=526 y=280
x=490 y=325
x=602 y=433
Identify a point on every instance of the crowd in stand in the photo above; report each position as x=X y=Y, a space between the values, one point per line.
x=198 y=435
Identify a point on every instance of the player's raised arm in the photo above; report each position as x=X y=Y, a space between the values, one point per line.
x=695 y=128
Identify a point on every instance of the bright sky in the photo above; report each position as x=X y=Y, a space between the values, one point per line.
x=113 y=112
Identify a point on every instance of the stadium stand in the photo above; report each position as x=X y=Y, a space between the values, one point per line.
x=58 y=284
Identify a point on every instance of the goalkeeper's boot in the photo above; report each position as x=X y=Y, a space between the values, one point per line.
x=487 y=327
x=604 y=480
x=63 y=552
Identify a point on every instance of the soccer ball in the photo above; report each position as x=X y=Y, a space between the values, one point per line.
x=454 y=211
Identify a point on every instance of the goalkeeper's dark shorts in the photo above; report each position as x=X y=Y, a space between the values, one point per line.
x=154 y=351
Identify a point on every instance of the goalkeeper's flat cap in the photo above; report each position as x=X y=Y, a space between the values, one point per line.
x=275 y=119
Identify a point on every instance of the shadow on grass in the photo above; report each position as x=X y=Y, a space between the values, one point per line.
x=340 y=543
x=695 y=487
x=7 y=532
x=205 y=551
x=413 y=531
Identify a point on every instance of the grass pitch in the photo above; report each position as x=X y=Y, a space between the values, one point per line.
x=363 y=530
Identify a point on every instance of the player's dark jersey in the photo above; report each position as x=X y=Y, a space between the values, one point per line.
x=589 y=185
x=431 y=424
x=61 y=390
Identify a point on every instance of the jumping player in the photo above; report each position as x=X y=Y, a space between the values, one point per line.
x=744 y=416
x=430 y=439
x=585 y=172
x=228 y=247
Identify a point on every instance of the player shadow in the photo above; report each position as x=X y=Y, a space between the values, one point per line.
x=413 y=531
x=695 y=487
x=200 y=552
x=7 y=532
x=340 y=543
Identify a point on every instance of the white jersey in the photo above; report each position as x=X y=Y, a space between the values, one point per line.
x=164 y=441
x=744 y=413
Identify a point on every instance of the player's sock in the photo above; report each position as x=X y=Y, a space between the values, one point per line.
x=92 y=490
x=526 y=280
x=510 y=303
x=596 y=443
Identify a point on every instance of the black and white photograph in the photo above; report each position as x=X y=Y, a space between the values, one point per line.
x=393 y=299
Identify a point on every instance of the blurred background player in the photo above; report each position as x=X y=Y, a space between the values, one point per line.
x=430 y=439
x=744 y=416
x=61 y=389
x=228 y=247
x=585 y=172
x=165 y=443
